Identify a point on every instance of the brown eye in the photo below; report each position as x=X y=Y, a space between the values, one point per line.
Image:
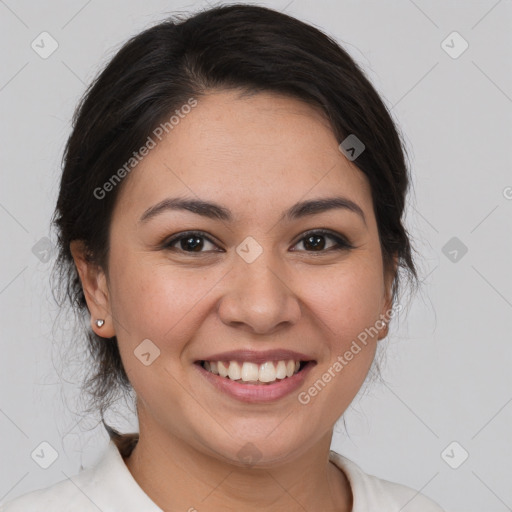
x=189 y=242
x=315 y=241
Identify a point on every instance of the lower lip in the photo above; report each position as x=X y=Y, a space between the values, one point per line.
x=255 y=392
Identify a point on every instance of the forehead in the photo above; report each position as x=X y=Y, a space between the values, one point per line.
x=246 y=151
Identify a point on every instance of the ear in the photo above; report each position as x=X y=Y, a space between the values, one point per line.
x=94 y=285
x=389 y=278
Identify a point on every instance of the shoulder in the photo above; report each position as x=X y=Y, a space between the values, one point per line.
x=64 y=495
x=373 y=493
x=106 y=486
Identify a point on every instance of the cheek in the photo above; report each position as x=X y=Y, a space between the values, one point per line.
x=160 y=301
x=347 y=301
x=345 y=307
x=151 y=299
x=152 y=302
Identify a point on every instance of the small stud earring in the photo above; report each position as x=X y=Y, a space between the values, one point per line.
x=100 y=322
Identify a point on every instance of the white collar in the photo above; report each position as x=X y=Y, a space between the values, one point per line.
x=111 y=486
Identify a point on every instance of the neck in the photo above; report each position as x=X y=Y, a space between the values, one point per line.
x=177 y=476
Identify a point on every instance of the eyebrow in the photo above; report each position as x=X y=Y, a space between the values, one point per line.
x=215 y=211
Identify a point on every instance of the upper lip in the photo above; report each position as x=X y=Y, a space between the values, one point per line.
x=257 y=357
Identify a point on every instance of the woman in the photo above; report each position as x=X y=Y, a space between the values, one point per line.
x=230 y=217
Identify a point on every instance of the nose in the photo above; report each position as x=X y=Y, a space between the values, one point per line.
x=259 y=296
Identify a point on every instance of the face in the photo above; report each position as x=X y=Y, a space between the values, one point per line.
x=310 y=281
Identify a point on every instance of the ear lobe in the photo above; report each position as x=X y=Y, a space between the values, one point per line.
x=95 y=287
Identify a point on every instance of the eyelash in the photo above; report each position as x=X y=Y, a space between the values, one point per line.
x=342 y=244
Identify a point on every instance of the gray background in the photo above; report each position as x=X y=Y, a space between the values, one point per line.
x=447 y=376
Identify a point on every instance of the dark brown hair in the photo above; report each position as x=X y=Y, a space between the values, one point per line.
x=228 y=47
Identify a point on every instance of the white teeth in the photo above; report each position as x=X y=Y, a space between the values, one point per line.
x=281 y=370
x=266 y=372
x=250 y=372
x=222 y=368
x=234 y=372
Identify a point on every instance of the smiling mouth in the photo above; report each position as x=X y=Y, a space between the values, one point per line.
x=266 y=373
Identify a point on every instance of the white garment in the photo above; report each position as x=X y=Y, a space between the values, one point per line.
x=110 y=487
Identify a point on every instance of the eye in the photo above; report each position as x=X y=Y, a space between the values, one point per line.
x=190 y=241
x=314 y=241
